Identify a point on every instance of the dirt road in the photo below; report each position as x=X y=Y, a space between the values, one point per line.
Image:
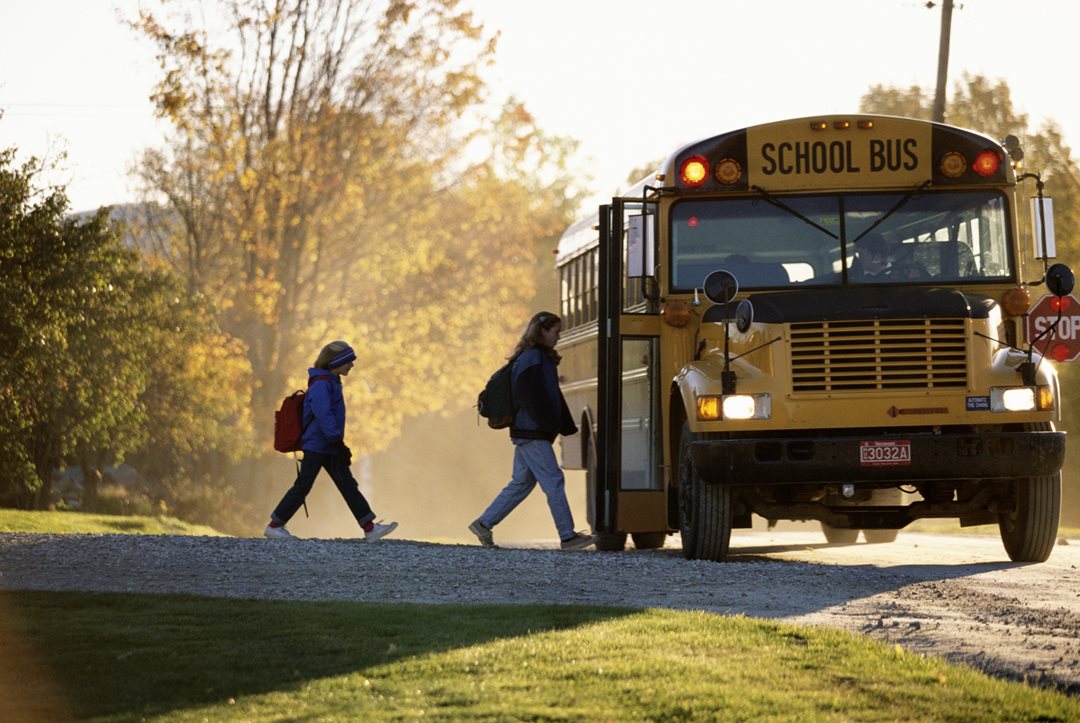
x=952 y=596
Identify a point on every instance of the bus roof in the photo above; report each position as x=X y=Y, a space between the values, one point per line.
x=839 y=152
x=581 y=235
x=584 y=233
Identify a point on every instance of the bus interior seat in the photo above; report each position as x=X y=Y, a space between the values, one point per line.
x=947 y=259
x=966 y=260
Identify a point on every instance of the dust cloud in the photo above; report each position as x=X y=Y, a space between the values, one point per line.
x=435 y=479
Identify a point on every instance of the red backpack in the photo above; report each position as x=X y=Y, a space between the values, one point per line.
x=289 y=420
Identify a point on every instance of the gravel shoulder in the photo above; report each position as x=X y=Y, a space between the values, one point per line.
x=949 y=596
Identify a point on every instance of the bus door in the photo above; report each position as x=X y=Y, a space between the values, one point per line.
x=628 y=495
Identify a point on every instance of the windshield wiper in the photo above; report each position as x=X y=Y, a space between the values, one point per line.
x=781 y=205
x=907 y=197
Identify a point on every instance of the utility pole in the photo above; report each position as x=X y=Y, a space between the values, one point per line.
x=943 y=60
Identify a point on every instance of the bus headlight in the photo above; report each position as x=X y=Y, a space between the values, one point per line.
x=712 y=407
x=1022 y=399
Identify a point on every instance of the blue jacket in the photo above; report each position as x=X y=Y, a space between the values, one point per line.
x=324 y=413
x=540 y=409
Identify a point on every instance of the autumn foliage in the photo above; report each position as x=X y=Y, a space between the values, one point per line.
x=335 y=170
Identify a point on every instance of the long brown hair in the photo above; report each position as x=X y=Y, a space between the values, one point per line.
x=541 y=322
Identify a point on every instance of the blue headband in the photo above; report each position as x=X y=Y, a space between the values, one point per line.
x=344 y=356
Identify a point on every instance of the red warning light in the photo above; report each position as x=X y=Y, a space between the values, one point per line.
x=692 y=222
x=1060 y=352
x=1059 y=303
x=987 y=163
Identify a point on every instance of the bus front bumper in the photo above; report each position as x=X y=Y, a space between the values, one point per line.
x=900 y=458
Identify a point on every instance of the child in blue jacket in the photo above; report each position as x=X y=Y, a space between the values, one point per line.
x=324 y=447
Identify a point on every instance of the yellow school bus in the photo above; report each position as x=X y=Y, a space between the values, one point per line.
x=814 y=319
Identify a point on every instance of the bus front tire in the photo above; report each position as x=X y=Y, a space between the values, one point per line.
x=705 y=512
x=1029 y=530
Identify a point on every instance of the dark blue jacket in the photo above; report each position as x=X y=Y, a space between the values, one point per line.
x=324 y=413
x=540 y=409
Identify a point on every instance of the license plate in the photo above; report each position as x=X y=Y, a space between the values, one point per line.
x=884 y=453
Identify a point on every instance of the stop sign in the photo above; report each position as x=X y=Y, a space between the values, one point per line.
x=1062 y=344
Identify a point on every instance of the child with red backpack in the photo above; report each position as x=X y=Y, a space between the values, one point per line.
x=323 y=444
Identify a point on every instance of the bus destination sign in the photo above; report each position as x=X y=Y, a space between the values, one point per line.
x=793 y=155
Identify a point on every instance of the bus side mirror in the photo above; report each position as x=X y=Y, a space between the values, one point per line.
x=720 y=286
x=1060 y=280
x=744 y=316
x=640 y=242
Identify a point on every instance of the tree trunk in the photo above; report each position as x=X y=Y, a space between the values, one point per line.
x=43 y=496
x=91 y=483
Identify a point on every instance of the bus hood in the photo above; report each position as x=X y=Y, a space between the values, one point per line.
x=869 y=303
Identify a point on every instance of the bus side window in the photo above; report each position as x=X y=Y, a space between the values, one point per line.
x=591 y=283
x=564 y=289
x=579 y=290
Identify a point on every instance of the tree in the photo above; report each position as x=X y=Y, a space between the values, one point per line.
x=25 y=328
x=102 y=357
x=319 y=187
x=70 y=369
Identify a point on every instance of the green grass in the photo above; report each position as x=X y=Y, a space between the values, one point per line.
x=128 y=657
x=80 y=523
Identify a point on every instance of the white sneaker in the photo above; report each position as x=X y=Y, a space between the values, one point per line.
x=278 y=533
x=379 y=531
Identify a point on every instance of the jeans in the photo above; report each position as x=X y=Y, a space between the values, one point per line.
x=534 y=461
x=339 y=471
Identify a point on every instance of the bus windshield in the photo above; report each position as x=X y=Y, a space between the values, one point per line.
x=953 y=237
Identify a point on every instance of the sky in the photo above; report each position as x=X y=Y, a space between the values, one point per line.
x=631 y=80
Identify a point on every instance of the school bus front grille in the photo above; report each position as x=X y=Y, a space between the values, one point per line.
x=840 y=356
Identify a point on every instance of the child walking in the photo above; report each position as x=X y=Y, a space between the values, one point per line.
x=324 y=447
x=540 y=415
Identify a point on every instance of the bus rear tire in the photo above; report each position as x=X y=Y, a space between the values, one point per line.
x=610 y=541
x=648 y=540
x=839 y=535
x=892 y=497
x=605 y=541
x=705 y=512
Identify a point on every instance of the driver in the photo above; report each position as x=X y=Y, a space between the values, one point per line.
x=871 y=258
